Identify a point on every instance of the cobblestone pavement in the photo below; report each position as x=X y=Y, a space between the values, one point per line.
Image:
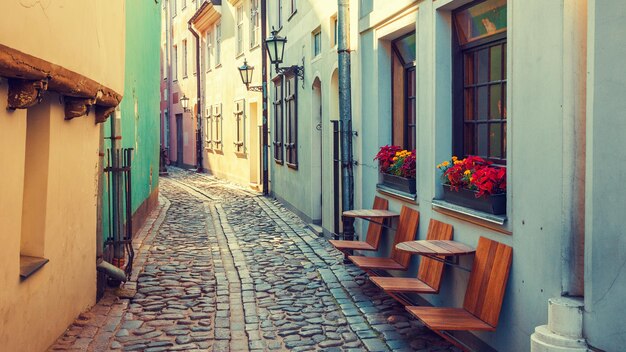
x=220 y=268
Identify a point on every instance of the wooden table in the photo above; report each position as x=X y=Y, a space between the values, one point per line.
x=348 y=217
x=370 y=213
x=436 y=249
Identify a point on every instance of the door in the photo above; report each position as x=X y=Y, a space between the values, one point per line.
x=316 y=157
x=179 y=140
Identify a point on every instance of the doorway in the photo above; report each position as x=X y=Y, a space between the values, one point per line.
x=316 y=157
x=179 y=140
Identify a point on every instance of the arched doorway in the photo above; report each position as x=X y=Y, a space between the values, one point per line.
x=317 y=153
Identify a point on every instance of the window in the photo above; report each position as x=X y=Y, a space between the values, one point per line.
x=193 y=59
x=255 y=23
x=479 y=100
x=317 y=42
x=209 y=49
x=278 y=119
x=240 y=29
x=208 y=135
x=240 y=119
x=185 y=58
x=218 y=44
x=291 y=107
x=404 y=91
x=175 y=63
x=173 y=8
x=184 y=4
x=217 y=123
x=279 y=15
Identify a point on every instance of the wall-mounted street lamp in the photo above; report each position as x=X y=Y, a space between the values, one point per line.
x=246 y=72
x=184 y=101
x=275 y=45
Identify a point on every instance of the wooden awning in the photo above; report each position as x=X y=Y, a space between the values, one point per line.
x=206 y=15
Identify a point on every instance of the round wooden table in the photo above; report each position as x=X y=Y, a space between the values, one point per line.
x=370 y=213
x=435 y=248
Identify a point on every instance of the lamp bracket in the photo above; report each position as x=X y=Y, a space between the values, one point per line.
x=297 y=70
x=255 y=88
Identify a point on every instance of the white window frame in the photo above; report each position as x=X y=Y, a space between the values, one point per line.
x=239 y=29
x=255 y=26
x=175 y=63
x=185 y=58
x=317 y=46
x=209 y=48
x=218 y=44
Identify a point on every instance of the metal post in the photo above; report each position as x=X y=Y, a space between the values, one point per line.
x=345 y=111
x=199 y=150
x=264 y=156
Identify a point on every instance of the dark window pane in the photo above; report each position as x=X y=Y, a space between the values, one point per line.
x=495 y=53
x=469 y=103
x=482 y=102
x=411 y=83
x=503 y=108
x=504 y=140
x=468 y=139
x=469 y=68
x=495 y=101
x=504 y=60
x=482 y=139
x=495 y=137
x=482 y=65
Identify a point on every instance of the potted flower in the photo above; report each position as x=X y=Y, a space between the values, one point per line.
x=474 y=183
x=396 y=168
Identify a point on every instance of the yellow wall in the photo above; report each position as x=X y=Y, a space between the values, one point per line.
x=48 y=187
x=35 y=311
x=83 y=36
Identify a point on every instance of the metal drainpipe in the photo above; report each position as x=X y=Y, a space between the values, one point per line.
x=169 y=76
x=264 y=156
x=198 y=102
x=345 y=107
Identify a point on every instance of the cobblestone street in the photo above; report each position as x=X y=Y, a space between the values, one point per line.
x=220 y=268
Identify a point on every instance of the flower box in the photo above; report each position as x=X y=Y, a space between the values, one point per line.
x=489 y=203
x=402 y=184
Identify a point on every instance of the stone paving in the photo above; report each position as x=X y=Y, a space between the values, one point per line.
x=220 y=268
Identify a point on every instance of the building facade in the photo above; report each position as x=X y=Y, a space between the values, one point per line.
x=525 y=85
x=68 y=80
x=230 y=34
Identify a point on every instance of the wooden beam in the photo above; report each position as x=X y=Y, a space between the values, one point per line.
x=25 y=93
x=15 y=64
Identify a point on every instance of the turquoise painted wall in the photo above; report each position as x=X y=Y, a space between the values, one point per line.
x=139 y=108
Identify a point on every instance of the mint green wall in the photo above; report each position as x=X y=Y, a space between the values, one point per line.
x=139 y=108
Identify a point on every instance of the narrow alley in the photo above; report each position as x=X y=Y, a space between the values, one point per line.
x=222 y=269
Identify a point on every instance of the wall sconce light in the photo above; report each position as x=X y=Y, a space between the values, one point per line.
x=184 y=101
x=275 y=45
x=246 y=72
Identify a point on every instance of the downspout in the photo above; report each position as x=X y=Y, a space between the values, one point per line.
x=198 y=102
x=345 y=107
x=169 y=76
x=265 y=141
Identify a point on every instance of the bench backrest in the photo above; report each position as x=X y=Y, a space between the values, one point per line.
x=490 y=272
x=375 y=229
x=430 y=270
x=407 y=229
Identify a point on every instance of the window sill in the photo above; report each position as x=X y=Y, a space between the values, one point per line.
x=30 y=265
x=279 y=162
x=256 y=46
x=218 y=66
x=317 y=58
x=241 y=155
x=292 y=166
x=490 y=221
x=403 y=196
x=239 y=55
x=184 y=77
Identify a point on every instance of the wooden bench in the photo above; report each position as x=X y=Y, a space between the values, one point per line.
x=429 y=273
x=374 y=231
x=399 y=260
x=483 y=297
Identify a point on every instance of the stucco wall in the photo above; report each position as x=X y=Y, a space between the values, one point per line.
x=222 y=86
x=75 y=34
x=536 y=138
x=29 y=320
x=605 y=245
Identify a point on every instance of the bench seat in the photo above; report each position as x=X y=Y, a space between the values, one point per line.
x=402 y=284
x=356 y=245
x=371 y=263
x=437 y=318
